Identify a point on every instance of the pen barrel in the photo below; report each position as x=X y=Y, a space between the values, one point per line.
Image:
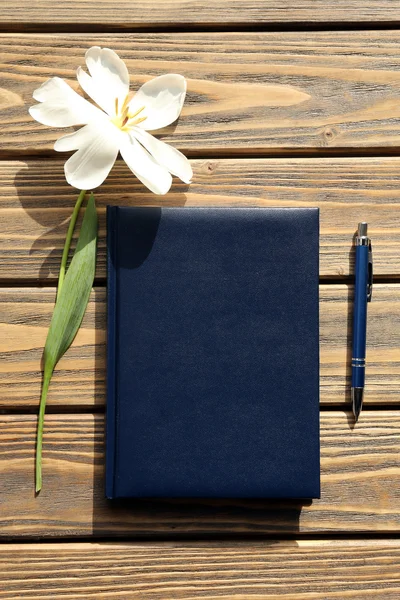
x=360 y=317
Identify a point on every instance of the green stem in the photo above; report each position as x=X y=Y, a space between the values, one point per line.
x=39 y=436
x=49 y=371
x=68 y=239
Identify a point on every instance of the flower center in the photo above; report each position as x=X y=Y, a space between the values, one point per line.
x=125 y=120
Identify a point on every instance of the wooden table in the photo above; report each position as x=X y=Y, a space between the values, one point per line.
x=292 y=103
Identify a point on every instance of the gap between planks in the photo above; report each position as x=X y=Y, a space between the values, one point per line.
x=229 y=153
x=102 y=283
x=339 y=537
x=200 y=27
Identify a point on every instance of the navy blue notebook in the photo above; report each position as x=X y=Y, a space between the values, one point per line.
x=213 y=353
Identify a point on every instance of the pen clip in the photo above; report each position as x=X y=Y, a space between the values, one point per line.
x=370 y=273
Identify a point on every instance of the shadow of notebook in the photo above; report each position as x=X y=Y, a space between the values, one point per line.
x=213 y=353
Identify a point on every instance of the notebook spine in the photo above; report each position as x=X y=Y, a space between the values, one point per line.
x=317 y=342
x=112 y=331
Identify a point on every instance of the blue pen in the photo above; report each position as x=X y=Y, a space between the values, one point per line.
x=362 y=295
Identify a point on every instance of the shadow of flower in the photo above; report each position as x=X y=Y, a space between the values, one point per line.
x=48 y=201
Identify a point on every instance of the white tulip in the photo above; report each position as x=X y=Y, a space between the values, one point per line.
x=119 y=123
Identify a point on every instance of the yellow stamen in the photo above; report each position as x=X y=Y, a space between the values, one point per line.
x=125 y=125
x=126 y=101
x=125 y=120
x=131 y=116
x=133 y=120
x=139 y=120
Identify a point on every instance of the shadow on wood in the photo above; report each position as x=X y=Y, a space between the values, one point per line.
x=49 y=190
x=178 y=517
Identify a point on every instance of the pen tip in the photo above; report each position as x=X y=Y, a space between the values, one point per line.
x=357 y=400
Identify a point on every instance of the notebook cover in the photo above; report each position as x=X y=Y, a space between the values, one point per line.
x=213 y=353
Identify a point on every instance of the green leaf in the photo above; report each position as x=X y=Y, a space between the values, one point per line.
x=74 y=295
x=68 y=312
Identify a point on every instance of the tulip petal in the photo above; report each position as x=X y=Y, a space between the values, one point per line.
x=61 y=106
x=142 y=164
x=166 y=155
x=162 y=98
x=108 y=79
x=92 y=88
x=97 y=146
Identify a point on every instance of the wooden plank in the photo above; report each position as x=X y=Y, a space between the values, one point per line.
x=80 y=377
x=36 y=203
x=248 y=92
x=360 y=472
x=321 y=570
x=79 y=380
x=156 y=13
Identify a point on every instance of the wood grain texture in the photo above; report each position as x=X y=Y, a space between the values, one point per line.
x=248 y=92
x=360 y=470
x=36 y=203
x=79 y=379
x=156 y=13
x=321 y=570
